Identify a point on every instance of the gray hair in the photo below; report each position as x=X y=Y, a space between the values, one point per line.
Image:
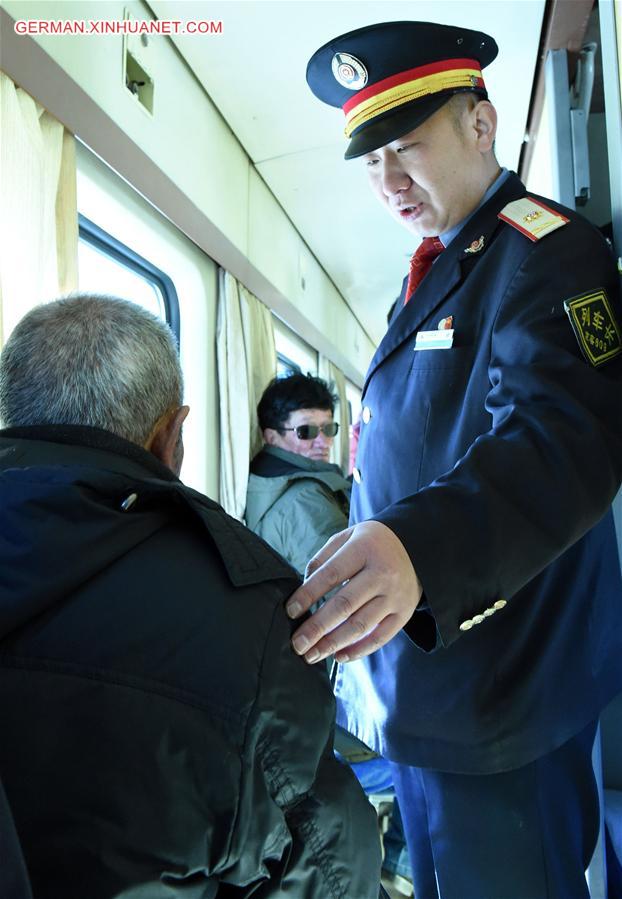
x=90 y=360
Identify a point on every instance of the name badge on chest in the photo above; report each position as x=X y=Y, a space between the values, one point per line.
x=434 y=340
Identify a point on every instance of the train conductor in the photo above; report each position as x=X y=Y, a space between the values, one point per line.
x=477 y=624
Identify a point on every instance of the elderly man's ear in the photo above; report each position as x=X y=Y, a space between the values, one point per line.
x=165 y=439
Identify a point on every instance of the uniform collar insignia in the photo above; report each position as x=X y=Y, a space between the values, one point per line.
x=476 y=245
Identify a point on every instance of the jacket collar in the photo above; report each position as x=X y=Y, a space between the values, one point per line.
x=117 y=467
x=449 y=269
x=272 y=461
x=103 y=447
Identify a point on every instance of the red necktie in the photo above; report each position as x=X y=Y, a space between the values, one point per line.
x=421 y=263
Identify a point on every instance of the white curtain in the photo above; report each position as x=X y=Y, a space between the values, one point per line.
x=246 y=364
x=38 y=208
x=335 y=378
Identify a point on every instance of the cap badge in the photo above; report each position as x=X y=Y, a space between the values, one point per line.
x=475 y=246
x=349 y=71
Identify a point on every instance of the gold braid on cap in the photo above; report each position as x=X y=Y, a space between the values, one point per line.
x=447 y=75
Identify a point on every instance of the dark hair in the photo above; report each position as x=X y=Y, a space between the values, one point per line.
x=283 y=396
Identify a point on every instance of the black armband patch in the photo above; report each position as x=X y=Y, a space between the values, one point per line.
x=595 y=326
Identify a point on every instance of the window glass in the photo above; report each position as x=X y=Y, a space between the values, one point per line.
x=100 y=273
x=353 y=395
x=285 y=366
x=293 y=353
x=105 y=265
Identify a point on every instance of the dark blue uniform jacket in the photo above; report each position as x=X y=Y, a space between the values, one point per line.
x=495 y=462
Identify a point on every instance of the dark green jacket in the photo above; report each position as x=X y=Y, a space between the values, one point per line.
x=296 y=504
x=159 y=736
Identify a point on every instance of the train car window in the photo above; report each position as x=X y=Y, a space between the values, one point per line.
x=285 y=366
x=353 y=394
x=292 y=352
x=106 y=265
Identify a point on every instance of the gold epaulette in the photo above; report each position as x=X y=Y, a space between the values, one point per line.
x=532 y=218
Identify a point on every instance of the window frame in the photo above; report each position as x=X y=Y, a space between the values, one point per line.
x=308 y=360
x=121 y=253
x=291 y=367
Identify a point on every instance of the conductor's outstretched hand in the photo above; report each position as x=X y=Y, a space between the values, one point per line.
x=378 y=591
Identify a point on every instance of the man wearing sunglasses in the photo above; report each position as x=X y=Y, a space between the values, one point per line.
x=296 y=498
x=296 y=501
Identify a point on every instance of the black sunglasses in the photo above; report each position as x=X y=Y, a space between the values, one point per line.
x=310 y=432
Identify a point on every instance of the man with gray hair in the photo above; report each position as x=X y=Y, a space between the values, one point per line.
x=153 y=739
